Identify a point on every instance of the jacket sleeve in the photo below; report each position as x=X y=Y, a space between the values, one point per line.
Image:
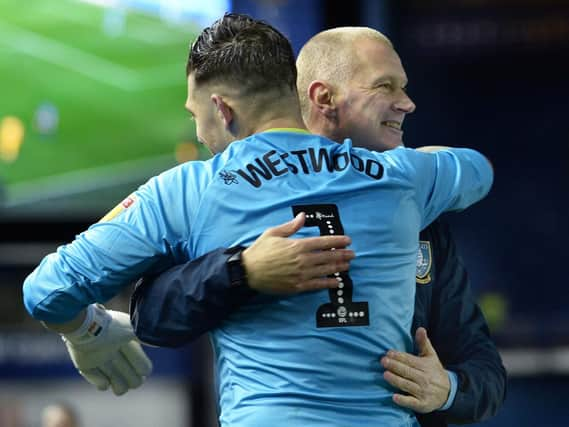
x=461 y=337
x=180 y=304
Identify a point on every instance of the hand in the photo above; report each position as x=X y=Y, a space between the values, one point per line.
x=106 y=353
x=423 y=377
x=278 y=264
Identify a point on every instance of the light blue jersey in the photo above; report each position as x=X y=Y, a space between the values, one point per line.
x=310 y=359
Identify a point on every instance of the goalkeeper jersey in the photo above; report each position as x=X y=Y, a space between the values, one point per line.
x=312 y=358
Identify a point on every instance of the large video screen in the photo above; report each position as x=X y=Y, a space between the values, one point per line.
x=91 y=100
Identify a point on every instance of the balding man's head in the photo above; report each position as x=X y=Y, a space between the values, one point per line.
x=331 y=56
x=351 y=84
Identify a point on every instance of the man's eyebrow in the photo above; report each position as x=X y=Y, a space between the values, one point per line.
x=390 y=79
x=382 y=79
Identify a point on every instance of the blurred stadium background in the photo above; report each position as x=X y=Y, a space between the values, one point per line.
x=91 y=105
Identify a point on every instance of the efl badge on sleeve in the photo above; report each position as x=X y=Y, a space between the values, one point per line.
x=118 y=209
x=424 y=262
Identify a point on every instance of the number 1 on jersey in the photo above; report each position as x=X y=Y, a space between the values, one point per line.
x=341 y=310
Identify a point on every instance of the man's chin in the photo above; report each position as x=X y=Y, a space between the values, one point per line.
x=392 y=139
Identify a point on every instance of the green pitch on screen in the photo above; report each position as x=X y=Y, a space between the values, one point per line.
x=109 y=85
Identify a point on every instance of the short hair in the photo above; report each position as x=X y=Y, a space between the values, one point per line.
x=240 y=50
x=329 y=56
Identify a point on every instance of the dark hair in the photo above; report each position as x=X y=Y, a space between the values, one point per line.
x=240 y=50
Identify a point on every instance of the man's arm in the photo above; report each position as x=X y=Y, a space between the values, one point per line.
x=447 y=179
x=190 y=299
x=67 y=327
x=436 y=148
x=460 y=334
x=61 y=291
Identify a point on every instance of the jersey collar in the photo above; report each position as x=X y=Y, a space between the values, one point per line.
x=293 y=130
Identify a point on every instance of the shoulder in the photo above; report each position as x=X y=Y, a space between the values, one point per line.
x=400 y=155
x=408 y=162
x=395 y=159
x=183 y=182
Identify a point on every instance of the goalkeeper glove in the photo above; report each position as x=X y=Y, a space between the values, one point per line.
x=106 y=352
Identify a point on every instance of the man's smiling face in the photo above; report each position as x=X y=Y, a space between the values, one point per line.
x=373 y=103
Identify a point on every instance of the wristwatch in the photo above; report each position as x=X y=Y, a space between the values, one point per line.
x=235 y=267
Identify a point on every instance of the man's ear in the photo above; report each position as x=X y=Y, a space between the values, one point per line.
x=322 y=98
x=224 y=111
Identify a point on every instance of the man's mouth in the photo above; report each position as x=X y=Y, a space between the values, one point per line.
x=392 y=124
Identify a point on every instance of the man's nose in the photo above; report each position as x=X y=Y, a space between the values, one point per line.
x=404 y=104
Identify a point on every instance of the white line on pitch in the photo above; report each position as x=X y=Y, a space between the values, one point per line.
x=74 y=59
x=87 y=64
x=153 y=33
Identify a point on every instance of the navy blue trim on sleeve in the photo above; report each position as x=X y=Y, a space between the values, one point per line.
x=177 y=306
x=460 y=335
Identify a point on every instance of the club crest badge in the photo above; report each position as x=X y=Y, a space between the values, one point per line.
x=424 y=262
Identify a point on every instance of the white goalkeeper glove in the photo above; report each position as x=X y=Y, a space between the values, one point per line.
x=106 y=352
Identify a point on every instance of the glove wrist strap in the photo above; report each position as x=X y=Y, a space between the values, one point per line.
x=96 y=320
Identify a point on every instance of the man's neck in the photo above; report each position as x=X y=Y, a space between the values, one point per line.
x=269 y=111
x=287 y=123
x=320 y=125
